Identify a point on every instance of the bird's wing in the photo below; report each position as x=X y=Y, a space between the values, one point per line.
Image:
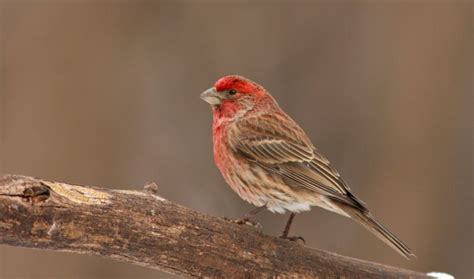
x=279 y=145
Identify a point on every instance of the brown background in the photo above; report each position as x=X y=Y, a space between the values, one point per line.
x=107 y=93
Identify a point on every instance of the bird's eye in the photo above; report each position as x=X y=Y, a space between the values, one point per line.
x=232 y=92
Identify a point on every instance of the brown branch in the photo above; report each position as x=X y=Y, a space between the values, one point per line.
x=144 y=229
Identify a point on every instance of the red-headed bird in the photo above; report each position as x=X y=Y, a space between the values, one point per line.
x=269 y=161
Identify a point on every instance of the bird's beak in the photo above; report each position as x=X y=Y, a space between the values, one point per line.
x=211 y=96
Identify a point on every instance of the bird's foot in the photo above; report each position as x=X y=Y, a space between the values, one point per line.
x=245 y=221
x=293 y=238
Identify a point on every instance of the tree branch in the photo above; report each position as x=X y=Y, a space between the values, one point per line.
x=142 y=228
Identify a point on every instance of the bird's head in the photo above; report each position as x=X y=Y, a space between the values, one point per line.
x=233 y=94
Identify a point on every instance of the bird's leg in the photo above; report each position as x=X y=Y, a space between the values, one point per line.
x=246 y=219
x=287 y=230
x=248 y=216
x=288 y=225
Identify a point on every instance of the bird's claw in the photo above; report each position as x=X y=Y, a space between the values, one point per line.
x=293 y=238
x=245 y=221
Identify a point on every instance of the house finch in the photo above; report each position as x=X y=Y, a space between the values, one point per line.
x=269 y=161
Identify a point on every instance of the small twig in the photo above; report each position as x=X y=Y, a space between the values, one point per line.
x=151 y=187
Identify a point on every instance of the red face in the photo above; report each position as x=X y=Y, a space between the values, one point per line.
x=236 y=83
x=232 y=90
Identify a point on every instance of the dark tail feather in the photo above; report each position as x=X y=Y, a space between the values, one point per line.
x=380 y=231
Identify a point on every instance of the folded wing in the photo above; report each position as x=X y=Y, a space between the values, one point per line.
x=286 y=151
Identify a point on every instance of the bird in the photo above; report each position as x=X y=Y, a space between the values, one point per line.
x=270 y=162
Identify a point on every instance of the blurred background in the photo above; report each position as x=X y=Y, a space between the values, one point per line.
x=107 y=93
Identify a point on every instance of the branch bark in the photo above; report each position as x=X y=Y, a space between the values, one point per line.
x=142 y=228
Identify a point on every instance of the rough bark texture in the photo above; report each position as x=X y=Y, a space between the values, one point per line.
x=142 y=228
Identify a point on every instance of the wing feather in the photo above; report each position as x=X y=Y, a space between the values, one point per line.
x=288 y=152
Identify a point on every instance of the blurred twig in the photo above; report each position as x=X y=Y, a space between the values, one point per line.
x=142 y=228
